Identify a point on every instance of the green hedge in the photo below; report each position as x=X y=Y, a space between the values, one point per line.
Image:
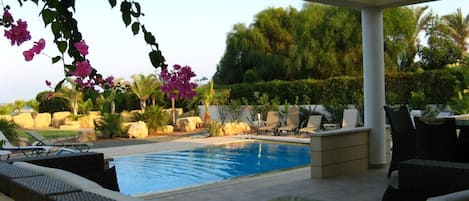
x=438 y=87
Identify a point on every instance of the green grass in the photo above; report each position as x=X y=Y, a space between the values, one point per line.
x=49 y=134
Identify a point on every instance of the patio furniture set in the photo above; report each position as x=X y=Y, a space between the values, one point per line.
x=429 y=159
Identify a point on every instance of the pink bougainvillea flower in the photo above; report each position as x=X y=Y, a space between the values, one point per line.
x=28 y=55
x=36 y=49
x=177 y=83
x=82 y=47
x=39 y=46
x=18 y=33
x=48 y=83
x=83 y=69
x=7 y=18
x=48 y=95
x=110 y=81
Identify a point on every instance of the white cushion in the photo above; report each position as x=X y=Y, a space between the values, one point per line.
x=456 y=196
x=61 y=175
x=394 y=179
x=112 y=194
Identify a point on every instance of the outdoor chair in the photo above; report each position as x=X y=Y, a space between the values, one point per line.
x=314 y=124
x=272 y=122
x=292 y=122
x=403 y=135
x=42 y=141
x=349 y=119
x=436 y=139
x=26 y=150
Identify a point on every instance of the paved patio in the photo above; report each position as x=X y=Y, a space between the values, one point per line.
x=365 y=186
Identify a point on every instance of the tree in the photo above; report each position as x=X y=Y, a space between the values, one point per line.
x=143 y=86
x=19 y=105
x=458 y=26
x=72 y=95
x=441 y=49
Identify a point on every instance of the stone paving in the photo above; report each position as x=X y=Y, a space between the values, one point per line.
x=364 y=186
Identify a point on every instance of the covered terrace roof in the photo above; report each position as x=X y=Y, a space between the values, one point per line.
x=359 y=4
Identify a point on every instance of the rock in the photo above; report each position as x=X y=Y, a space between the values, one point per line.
x=6 y=117
x=58 y=118
x=235 y=128
x=24 y=120
x=166 y=129
x=138 y=130
x=188 y=124
x=86 y=135
x=128 y=116
x=42 y=120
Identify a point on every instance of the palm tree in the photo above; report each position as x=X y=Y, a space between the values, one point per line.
x=143 y=86
x=458 y=26
x=73 y=96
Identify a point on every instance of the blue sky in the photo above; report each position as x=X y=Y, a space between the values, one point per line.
x=188 y=32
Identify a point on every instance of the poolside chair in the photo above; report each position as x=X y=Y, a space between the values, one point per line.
x=293 y=121
x=26 y=150
x=314 y=124
x=350 y=118
x=42 y=141
x=272 y=123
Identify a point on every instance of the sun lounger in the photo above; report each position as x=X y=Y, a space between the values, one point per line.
x=42 y=141
x=293 y=120
x=272 y=122
x=314 y=124
x=26 y=150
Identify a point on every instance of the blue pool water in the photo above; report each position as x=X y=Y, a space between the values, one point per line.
x=156 y=172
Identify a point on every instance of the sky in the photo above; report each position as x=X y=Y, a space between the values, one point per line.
x=189 y=33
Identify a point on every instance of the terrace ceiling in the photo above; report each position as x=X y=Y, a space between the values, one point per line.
x=360 y=4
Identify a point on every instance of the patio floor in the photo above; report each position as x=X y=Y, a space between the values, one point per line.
x=365 y=186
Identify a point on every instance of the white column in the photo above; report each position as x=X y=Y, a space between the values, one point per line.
x=373 y=76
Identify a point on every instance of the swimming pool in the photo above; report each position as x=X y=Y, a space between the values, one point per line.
x=156 y=172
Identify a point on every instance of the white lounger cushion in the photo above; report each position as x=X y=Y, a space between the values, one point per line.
x=3 y=197
x=76 y=181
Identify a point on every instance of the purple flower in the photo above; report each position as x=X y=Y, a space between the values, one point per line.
x=18 y=33
x=177 y=83
x=83 y=69
x=82 y=47
x=36 y=49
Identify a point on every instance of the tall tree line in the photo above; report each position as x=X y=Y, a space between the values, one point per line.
x=321 y=41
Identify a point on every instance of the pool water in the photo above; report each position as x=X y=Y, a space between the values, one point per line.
x=156 y=172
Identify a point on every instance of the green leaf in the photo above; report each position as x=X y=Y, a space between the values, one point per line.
x=113 y=3
x=48 y=16
x=62 y=45
x=126 y=18
x=135 y=27
x=149 y=38
x=59 y=85
x=56 y=59
x=126 y=9
x=155 y=58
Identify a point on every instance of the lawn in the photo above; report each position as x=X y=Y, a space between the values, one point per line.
x=48 y=133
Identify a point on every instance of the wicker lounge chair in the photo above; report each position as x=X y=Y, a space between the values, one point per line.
x=42 y=141
x=293 y=120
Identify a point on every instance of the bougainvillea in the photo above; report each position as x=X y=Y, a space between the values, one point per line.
x=177 y=83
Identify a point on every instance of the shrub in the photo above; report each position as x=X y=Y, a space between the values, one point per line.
x=8 y=128
x=109 y=125
x=155 y=118
x=214 y=128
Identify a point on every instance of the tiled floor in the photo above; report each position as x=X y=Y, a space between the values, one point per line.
x=365 y=186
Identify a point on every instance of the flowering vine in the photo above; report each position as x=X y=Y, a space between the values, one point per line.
x=58 y=15
x=177 y=84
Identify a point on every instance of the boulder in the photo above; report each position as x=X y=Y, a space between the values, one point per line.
x=42 y=120
x=86 y=135
x=127 y=116
x=24 y=120
x=188 y=124
x=166 y=129
x=58 y=118
x=6 y=117
x=235 y=128
x=71 y=125
x=138 y=130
